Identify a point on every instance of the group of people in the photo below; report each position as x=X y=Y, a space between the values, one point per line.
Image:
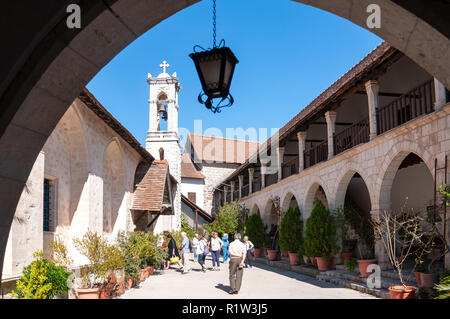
x=237 y=252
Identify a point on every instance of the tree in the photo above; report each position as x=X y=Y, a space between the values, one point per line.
x=229 y=219
x=254 y=229
x=291 y=231
x=320 y=233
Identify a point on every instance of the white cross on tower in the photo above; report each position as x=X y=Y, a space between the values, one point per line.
x=164 y=65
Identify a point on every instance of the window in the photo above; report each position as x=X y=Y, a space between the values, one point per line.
x=161 y=153
x=47 y=203
x=192 y=197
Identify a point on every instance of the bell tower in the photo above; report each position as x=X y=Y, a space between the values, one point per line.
x=162 y=136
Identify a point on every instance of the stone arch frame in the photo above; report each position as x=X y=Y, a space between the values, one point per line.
x=106 y=33
x=389 y=168
x=308 y=202
x=342 y=185
x=116 y=184
x=286 y=200
x=254 y=209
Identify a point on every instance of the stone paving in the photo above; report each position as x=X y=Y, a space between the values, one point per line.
x=261 y=281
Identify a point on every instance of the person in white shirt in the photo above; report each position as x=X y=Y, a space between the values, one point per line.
x=195 y=245
x=249 y=247
x=215 y=247
x=238 y=252
x=202 y=244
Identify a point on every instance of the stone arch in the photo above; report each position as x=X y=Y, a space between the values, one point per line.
x=389 y=169
x=113 y=175
x=255 y=209
x=310 y=196
x=343 y=183
x=52 y=84
x=287 y=200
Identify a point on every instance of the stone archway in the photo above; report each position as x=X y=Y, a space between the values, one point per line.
x=315 y=192
x=49 y=74
x=289 y=200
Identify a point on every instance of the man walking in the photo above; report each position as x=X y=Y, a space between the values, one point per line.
x=237 y=251
x=185 y=253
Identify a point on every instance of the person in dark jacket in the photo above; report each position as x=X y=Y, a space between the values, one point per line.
x=173 y=251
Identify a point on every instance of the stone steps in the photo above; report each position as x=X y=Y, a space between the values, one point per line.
x=285 y=265
x=408 y=274
x=381 y=293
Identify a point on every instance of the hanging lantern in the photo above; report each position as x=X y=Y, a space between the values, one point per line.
x=215 y=68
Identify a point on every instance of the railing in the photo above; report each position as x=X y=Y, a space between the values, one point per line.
x=256 y=185
x=271 y=179
x=290 y=167
x=245 y=190
x=316 y=155
x=228 y=198
x=416 y=102
x=356 y=134
x=236 y=194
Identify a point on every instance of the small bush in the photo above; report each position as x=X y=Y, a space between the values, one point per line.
x=320 y=233
x=41 y=280
x=255 y=230
x=350 y=265
x=291 y=231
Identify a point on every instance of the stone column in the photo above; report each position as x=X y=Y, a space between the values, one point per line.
x=251 y=173
x=232 y=190
x=380 y=251
x=241 y=182
x=280 y=154
x=330 y=116
x=301 y=150
x=440 y=94
x=372 y=89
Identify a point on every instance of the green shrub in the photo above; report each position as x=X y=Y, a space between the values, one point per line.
x=186 y=227
x=103 y=258
x=320 y=233
x=291 y=231
x=350 y=265
x=255 y=230
x=41 y=280
x=230 y=219
x=443 y=288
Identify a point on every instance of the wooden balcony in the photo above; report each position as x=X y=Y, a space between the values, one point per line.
x=356 y=134
x=317 y=154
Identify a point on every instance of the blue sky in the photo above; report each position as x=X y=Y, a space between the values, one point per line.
x=288 y=52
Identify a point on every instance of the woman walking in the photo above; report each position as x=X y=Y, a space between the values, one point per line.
x=215 y=246
x=225 y=252
x=201 y=255
x=173 y=252
x=249 y=248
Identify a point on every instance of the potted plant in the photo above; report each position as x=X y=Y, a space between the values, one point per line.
x=103 y=258
x=398 y=233
x=321 y=235
x=41 y=280
x=350 y=265
x=291 y=234
x=254 y=229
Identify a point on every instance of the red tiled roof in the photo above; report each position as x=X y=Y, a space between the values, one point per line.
x=188 y=169
x=194 y=207
x=149 y=192
x=220 y=150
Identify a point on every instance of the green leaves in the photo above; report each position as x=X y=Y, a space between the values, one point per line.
x=320 y=233
x=291 y=231
x=230 y=219
x=255 y=230
x=41 y=280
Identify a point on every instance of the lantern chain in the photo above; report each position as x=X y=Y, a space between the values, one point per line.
x=214 y=24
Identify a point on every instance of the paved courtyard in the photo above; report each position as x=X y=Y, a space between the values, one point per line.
x=261 y=281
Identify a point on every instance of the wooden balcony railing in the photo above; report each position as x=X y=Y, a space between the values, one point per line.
x=356 y=134
x=245 y=190
x=256 y=185
x=271 y=179
x=236 y=195
x=416 y=102
x=290 y=167
x=316 y=155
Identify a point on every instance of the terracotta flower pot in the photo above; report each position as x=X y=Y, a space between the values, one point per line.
x=88 y=293
x=306 y=259
x=399 y=292
x=258 y=252
x=284 y=253
x=428 y=280
x=150 y=270
x=418 y=278
x=346 y=256
x=293 y=258
x=272 y=254
x=323 y=264
x=105 y=292
x=363 y=264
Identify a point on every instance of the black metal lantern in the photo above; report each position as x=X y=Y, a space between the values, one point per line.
x=215 y=68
